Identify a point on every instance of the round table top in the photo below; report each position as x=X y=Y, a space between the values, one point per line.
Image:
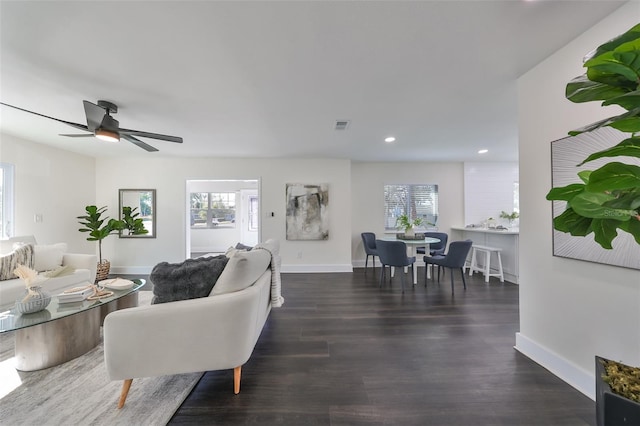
x=426 y=240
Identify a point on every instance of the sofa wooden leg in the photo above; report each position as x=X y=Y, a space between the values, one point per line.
x=236 y=379
x=125 y=391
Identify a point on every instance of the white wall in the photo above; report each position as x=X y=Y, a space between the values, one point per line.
x=488 y=190
x=570 y=310
x=53 y=183
x=368 y=180
x=169 y=176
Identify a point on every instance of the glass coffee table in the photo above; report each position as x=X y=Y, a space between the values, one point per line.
x=63 y=331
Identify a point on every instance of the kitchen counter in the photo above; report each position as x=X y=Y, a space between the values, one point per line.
x=507 y=240
x=513 y=231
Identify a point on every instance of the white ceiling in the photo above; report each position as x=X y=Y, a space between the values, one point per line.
x=269 y=79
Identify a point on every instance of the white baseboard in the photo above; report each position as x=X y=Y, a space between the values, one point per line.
x=131 y=270
x=582 y=380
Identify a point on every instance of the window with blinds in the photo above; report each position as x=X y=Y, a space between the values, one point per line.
x=412 y=200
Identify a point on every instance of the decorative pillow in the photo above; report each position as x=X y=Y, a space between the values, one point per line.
x=243 y=269
x=20 y=256
x=46 y=258
x=241 y=246
x=190 y=279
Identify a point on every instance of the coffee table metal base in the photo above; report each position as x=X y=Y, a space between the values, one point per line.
x=55 y=342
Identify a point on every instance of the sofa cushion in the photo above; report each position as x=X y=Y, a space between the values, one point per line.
x=22 y=255
x=243 y=269
x=190 y=279
x=48 y=257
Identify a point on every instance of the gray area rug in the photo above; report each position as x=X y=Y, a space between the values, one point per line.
x=80 y=393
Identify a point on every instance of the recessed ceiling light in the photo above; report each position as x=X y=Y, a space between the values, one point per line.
x=390 y=139
x=483 y=151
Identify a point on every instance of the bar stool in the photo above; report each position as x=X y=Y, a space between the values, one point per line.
x=486 y=268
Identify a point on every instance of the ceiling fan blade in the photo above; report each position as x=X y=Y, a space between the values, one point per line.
x=69 y=123
x=167 y=138
x=95 y=114
x=77 y=135
x=139 y=143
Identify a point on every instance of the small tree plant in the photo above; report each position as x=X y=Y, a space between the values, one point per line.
x=608 y=198
x=98 y=227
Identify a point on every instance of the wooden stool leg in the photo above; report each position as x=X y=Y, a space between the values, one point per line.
x=124 y=392
x=500 y=266
x=237 y=372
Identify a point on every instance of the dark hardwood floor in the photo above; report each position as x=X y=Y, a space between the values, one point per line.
x=341 y=351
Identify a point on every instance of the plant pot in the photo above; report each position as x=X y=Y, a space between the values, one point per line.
x=103 y=270
x=30 y=303
x=409 y=233
x=611 y=408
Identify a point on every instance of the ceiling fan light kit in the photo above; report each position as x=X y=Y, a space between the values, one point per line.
x=103 y=126
x=107 y=136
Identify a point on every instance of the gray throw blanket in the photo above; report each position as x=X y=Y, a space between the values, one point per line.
x=190 y=279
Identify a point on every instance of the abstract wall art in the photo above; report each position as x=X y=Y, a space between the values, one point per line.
x=307 y=216
x=566 y=154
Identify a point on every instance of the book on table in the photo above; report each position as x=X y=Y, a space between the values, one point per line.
x=76 y=294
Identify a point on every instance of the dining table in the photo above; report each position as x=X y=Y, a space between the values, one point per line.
x=412 y=246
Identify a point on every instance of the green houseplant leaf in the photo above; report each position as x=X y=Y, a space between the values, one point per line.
x=566 y=193
x=571 y=222
x=614 y=176
x=629 y=147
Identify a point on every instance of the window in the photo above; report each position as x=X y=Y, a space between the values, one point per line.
x=416 y=201
x=6 y=200
x=213 y=209
x=516 y=197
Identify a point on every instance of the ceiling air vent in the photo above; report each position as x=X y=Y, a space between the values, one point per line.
x=342 y=124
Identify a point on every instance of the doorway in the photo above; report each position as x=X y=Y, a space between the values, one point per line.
x=220 y=214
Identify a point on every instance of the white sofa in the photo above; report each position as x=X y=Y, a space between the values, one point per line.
x=210 y=333
x=85 y=268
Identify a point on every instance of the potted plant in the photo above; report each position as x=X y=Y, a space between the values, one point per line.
x=509 y=216
x=608 y=198
x=404 y=222
x=99 y=228
x=617 y=393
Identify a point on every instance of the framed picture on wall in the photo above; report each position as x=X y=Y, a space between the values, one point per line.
x=306 y=214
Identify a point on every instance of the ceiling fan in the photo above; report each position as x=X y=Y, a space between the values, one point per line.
x=104 y=127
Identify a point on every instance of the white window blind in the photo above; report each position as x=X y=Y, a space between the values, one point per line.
x=416 y=201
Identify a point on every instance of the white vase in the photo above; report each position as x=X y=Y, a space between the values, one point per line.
x=410 y=233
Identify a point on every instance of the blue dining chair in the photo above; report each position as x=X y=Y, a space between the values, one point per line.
x=435 y=248
x=454 y=259
x=394 y=254
x=369 y=243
